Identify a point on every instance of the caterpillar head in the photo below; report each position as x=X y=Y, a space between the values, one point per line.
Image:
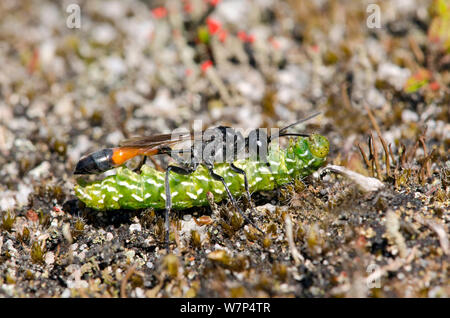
x=312 y=150
x=319 y=145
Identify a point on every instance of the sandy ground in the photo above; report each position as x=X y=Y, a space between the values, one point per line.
x=141 y=68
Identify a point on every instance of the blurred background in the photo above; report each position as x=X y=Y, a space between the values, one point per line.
x=77 y=76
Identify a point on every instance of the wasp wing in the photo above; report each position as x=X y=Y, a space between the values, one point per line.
x=151 y=145
x=154 y=140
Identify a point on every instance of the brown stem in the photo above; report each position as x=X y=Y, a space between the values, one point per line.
x=402 y=158
x=377 y=163
x=123 y=285
x=392 y=156
x=371 y=156
x=363 y=154
x=383 y=142
x=386 y=152
x=345 y=97
x=412 y=152
x=426 y=162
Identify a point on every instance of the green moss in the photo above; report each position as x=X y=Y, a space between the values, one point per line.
x=195 y=239
x=171 y=264
x=136 y=280
x=439 y=30
x=37 y=253
x=280 y=271
x=25 y=236
x=29 y=275
x=78 y=228
x=44 y=218
x=8 y=221
x=267 y=242
x=10 y=280
x=417 y=80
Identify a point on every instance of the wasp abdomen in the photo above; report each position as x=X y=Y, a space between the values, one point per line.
x=96 y=162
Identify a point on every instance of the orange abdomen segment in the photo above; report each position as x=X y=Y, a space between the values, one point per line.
x=122 y=154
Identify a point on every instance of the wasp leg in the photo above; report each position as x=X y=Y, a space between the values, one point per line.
x=179 y=170
x=141 y=163
x=240 y=171
x=217 y=177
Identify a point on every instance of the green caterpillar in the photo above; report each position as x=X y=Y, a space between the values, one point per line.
x=129 y=190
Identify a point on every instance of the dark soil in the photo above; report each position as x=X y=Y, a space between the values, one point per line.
x=132 y=70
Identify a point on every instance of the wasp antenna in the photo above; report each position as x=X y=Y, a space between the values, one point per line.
x=294 y=134
x=283 y=133
x=270 y=138
x=282 y=130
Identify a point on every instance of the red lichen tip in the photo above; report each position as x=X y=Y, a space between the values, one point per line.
x=34 y=62
x=206 y=65
x=213 y=2
x=213 y=25
x=187 y=6
x=434 y=86
x=222 y=35
x=422 y=74
x=242 y=36
x=275 y=44
x=32 y=216
x=159 y=12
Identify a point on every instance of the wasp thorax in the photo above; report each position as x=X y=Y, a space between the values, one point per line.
x=222 y=144
x=256 y=144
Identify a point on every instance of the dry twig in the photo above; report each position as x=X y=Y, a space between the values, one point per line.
x=123 y=284
x=366 y=184
x=298 y=258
